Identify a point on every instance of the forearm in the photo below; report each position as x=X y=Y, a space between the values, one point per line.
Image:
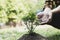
x=56 y=9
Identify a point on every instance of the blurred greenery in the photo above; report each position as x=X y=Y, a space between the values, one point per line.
x=16 y=9
x=11 y=33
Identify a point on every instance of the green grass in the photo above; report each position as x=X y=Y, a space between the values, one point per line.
x=15 y=33
x=50 y=32
x=10 y=34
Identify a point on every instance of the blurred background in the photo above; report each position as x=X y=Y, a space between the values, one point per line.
x=12 y=11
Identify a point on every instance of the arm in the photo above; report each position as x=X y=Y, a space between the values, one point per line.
x=56 y=9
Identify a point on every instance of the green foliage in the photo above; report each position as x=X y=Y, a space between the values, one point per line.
x=29 y=20
x=30 y=17
x=3 y=16
x=18 y=8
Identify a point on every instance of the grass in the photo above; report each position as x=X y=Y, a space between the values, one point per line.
x=11 y=33
x=48 y=31
x=15 y=33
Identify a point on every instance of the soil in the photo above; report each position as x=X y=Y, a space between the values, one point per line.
x=32 y=36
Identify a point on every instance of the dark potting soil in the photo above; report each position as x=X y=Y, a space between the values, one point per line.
x=32 y=36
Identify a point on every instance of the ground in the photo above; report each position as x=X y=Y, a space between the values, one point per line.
x=15 y=33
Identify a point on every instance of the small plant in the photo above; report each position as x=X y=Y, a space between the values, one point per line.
x=29 y=21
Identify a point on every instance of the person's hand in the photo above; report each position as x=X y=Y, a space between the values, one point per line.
x=40 y=15
x=44 y=17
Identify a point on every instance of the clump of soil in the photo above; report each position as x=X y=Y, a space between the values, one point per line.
x=32 y=36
